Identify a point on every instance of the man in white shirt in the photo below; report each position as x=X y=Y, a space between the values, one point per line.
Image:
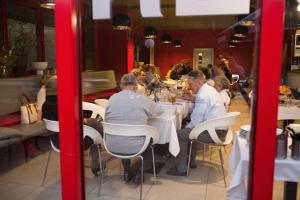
x=129 y=107
x=208 y=105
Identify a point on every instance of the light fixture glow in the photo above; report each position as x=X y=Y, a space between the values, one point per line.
x=121 y=22
x=48 y=4
x=298 y=7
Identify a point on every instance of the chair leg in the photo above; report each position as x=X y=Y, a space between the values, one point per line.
x=189 y=160
x=153 y=162
x=142 y=177
x=210 y=152
x=101 y=171
x=203 y=155
x=121 y=166
x=224 y=147
x=222 y=165
x=47 y=165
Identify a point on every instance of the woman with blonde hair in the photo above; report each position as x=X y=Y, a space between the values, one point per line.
x=222 y=85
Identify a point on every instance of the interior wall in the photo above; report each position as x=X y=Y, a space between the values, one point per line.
x=240 y=58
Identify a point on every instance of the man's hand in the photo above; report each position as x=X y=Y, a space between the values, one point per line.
x=189 y=97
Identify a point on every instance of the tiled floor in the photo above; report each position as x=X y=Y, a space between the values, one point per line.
x=23 y=180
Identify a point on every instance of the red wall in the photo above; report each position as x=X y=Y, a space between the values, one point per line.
x=240 y=58
x=111 y=48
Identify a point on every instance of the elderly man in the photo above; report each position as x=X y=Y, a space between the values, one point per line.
x=208 y=105
x=129 y=107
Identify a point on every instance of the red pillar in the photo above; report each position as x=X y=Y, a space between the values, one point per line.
x=69 y=98
x=130 y=55
x=263 y=142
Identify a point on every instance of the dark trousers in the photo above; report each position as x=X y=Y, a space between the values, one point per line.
x=184 y=143
x=93 y=147
x=147 y=156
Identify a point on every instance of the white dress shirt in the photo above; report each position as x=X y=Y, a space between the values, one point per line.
x=208 y=105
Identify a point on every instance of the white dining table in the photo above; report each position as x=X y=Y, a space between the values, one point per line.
x=285 y=169
x=169 y=122
x=166 y=125
x=288 y=112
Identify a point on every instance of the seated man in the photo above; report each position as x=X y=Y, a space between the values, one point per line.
x=150 y=78
x=129 y=107
x=208 y=105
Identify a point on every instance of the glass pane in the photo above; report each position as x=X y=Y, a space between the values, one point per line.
x=289 y=99
x=218 y=45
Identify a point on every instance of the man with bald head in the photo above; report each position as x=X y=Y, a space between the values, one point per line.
x=129 y=107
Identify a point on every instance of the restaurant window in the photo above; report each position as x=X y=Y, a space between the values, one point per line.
x=225 y=47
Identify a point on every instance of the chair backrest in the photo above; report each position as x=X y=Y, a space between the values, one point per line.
x=101 y=102
x=235 y=78
x=93 y=134
x=149 y=132
x=96 y=110
x=87 y=131
x=211 y=125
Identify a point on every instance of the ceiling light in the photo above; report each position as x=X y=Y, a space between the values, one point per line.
x=121 y=22
x=150 y=32
x=49 y=4
x=240 y=31
x=177 y=43
x=232 y=45
x=247 y=23
x=166 y=38
x=235 y=39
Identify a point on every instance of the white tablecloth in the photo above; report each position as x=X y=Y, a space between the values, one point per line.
x=285 y=170
x=288 y=112
x=166 y=124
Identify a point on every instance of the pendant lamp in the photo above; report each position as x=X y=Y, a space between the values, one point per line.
x=240 y=31
x=48 y=4
x=150 y=32
x=121 y=22
x=177 y=43
x=166 y=38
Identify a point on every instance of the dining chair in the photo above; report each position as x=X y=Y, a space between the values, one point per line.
x=97 y=111
x=211 y=126
x=88 y=131
x=149 y=133
x=101 y=102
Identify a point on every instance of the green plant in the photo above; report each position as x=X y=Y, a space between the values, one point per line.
x=22 y=41
x=7 y=57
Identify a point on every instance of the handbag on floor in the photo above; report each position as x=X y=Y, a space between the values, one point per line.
x=29 y=110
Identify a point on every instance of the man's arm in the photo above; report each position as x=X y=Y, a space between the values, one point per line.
x=198 y=114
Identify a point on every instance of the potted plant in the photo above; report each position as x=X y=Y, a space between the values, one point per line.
x=22 y=41
x=7 y=60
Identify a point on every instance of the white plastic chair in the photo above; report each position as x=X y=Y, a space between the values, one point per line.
x=235 y=78
x=53 y=126
x=149 y=132
x=96 y=109
x=101 y=102
x=211 y=126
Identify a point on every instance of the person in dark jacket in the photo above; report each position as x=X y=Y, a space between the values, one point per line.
x=50 y=112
